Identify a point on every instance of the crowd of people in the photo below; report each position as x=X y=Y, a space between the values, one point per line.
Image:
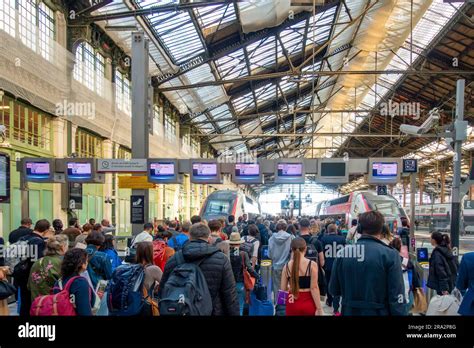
x=213 y=267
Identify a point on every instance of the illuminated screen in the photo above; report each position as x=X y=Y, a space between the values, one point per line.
x=290 y=169
x=79 y=170
x=202 y=170
x=333 y=169
x=247 y=169
x=38 y=170
x=162 y=170
x=385 y=170
x=4 y=176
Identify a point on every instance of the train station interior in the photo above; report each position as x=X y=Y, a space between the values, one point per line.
x=140 y=111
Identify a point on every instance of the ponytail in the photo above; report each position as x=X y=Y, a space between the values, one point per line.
x=295 y=273
x=446 y=241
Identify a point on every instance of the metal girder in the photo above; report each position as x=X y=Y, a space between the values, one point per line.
x=220 y=50
x=320 y=73
x=148 y=11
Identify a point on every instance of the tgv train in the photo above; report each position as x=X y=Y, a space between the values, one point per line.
x=222 y=203
x=350 y=206
x=437 y=216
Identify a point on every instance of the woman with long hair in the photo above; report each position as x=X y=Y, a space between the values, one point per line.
x=443 y=265
x=145 y=258
x=300 y=279
x=73 y=265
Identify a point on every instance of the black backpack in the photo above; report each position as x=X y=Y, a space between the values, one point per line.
x=186 y=291
x=311 y=251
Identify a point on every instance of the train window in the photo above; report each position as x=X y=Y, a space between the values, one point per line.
x=218 y=207
x=442 y=210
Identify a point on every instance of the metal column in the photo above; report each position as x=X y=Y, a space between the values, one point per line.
x=412 y=245
x=456 y=194
x=140 y=143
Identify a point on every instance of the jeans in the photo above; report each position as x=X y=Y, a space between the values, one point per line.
x=240 y=295
x=280 y=310
x=333 y=301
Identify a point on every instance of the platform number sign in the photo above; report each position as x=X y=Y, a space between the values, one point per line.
x=382 y=190
x=410 y=165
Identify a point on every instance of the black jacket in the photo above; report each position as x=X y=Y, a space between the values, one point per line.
x=443 y=270
x=331 y=242
x=20 y=232
x=217 y=271
x=370 y=281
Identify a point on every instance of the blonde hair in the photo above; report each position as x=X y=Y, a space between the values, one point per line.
x=55 y=243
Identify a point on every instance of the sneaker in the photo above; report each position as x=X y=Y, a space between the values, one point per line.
x=337 y=314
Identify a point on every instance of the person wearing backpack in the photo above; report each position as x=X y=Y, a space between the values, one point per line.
x=201 y=267
x=161 y=251
x=21 y=272
x=240 y=262
x=443 y=265
x=99 y=263
x=46 y=271
x=251 y=244
x=177 y=242
x=23 y=230
x=279 y=251
x=75 y=263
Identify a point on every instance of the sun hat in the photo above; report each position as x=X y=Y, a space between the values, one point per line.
x=235 y=238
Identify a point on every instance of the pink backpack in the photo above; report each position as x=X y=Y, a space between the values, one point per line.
x=55 y=305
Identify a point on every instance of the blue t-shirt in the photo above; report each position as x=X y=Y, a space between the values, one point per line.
x=177 y=242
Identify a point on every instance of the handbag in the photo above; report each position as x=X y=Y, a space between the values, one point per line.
x=282 y=297
x=249 y=281
x=443 y=305
x=419 y=301
x=6 y=289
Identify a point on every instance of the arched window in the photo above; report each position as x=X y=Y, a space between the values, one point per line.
x=90 y=68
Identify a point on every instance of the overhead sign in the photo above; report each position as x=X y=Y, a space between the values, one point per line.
x=286 y=204
x=122 y=165
x=137 y=209
x=382 y=190
x=75 y=195
x=4 y=178
x=135 y=182
x=410 y=165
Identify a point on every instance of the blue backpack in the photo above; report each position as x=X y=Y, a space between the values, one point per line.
x=186 y=291
x=125 y=291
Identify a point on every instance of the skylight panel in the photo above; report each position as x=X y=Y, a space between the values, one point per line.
x=177 y=32
x=215 y=15
x=244 y=102
x=262 y=54
x=232 y=65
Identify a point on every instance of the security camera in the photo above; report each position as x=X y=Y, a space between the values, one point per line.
x=433 y=117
